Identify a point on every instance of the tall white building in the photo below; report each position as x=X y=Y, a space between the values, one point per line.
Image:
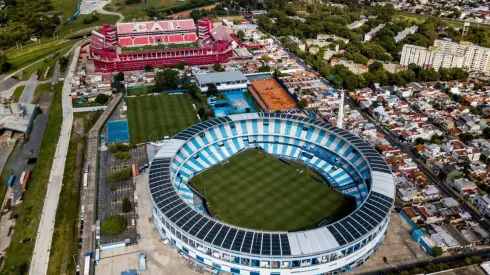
x=448 y=54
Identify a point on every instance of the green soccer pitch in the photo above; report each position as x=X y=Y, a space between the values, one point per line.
x=154 y=117
x=258 y=191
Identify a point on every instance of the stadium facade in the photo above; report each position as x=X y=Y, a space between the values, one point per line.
x=349 y=164
x=132 y=46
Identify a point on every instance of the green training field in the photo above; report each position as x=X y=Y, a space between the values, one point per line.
x=159 y=116
x=256 y=190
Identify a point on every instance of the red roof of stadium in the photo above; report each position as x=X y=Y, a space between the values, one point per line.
x=157 y=26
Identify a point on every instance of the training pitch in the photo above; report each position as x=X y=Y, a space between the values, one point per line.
x=258 y=191
x=154 y=117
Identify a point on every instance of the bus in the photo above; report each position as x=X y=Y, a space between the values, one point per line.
x=86 y=267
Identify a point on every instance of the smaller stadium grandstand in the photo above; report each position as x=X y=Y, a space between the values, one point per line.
x=132 y=46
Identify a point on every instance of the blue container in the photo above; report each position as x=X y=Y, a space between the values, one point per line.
x=11 y=181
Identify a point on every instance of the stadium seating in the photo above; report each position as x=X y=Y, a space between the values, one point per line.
x=335 y=159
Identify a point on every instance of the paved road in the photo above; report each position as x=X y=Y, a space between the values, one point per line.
x=29 y=89
x=40 y=258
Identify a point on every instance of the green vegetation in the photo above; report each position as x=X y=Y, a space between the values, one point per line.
x=159 y=47
x=113 y=225
x=85 y=21
x=17 y=93
x=126 y=205
x=437 y=251
x=118 y=176
x=18 y=254
x=102 y=99
x=22 y=19
x=65 y=236
x=154 y=117
x=120 y=147
x=137 y=10
x=123 y=155
x=256 y=190
x=166 y=80
x=48 y=62
x=140 y=90
x=22 y=58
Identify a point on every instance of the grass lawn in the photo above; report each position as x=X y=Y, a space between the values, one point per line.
x=139 y=91
x=419 y=19
x=23 y=58
x=256 y=190
x=17 y=93
x=159 y=116
x=160 y=47
x=65 y=236
x=76 y=25
x=18 y=254
x=66 y=7
x=137 y=11
x=48 y=62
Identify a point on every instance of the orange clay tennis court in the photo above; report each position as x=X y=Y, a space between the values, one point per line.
x=273 y=95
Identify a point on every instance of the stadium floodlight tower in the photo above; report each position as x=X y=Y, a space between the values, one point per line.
x=340 y=116
x=349 y=164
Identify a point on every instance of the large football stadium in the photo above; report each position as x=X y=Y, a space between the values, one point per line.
x=271 y=194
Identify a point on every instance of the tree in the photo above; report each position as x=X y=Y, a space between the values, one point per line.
x=241 y=35
x=194 y=91
x=148 y=68
x=120 y=76
x=437 y=251
x=266 y=58
x=212 y=90
x=264 y=69
x=126 y=205
x=113 y=225
x=437 y=85
x=178 y=65
x=466 y=137
x=185 y=82
x=101 y=99
x=217 y=67
x=121 y=175
x=123 y=155
x=167 y=80
x=419 y=140
x=120 y=147
x=201 y=111
x=63 y=61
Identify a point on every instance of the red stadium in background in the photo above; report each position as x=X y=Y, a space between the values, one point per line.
x=132 y=46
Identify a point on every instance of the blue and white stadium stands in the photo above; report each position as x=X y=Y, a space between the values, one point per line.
x=349 y=164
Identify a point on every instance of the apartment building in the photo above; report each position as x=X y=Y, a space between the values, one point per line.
x=448 y=54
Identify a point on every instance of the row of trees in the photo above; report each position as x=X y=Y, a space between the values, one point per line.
x=118 y=176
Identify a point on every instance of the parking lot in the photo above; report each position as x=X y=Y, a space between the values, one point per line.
x=112 y=194
x=160 y=258
x=398 y=247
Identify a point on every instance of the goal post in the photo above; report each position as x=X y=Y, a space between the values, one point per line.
x=225 y=162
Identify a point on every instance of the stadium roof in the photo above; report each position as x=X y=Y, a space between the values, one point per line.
x=347 y=231
x=221 y=77
x=155 y=26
